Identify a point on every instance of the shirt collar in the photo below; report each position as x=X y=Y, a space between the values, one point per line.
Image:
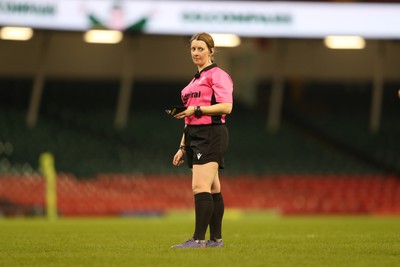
x=197 y=75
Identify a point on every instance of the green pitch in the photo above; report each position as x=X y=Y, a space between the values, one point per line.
x=250 y=240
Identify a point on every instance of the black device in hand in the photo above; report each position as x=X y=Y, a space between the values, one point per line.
x=175 y=110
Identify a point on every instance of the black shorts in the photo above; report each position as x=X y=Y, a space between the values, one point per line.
x=206 y=143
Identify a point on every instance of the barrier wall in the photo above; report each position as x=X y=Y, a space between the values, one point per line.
x=123 y=195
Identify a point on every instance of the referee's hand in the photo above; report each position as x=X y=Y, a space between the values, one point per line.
x=178 y=158
x=186 y=113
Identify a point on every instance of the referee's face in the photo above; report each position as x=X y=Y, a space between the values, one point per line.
x=201 y=55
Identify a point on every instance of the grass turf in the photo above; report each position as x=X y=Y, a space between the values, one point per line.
x=250 y=240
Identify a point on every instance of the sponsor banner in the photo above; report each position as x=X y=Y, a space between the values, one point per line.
x=245 y=18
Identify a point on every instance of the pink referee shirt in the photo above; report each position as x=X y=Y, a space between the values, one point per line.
x=211 y=86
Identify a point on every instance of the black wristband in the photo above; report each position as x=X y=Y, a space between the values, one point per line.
x=197 y=112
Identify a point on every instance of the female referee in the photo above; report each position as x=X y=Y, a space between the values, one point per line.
x=208 y=98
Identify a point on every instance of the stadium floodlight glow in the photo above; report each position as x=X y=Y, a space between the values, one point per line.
x=103 y=36
x=16 y=33
x=225 y=40
x=344 y=42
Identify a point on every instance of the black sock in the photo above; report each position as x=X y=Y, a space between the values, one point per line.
x=204 y=207
x=216 y=219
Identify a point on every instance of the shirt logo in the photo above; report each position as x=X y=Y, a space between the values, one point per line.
x=186 y=97
x=199 y=155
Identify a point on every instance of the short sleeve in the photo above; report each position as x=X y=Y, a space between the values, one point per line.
x=222 y=86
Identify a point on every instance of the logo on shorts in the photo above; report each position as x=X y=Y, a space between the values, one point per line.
x=198 y=155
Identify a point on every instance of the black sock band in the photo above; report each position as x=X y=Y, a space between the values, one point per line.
x=217 y=197
x=204 y=207
x=216 y=219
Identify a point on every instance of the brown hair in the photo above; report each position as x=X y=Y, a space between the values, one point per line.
x=205 y=37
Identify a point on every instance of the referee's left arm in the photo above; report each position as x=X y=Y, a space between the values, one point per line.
x=216 y=109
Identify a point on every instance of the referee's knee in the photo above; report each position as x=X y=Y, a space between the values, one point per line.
x=200 y=189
